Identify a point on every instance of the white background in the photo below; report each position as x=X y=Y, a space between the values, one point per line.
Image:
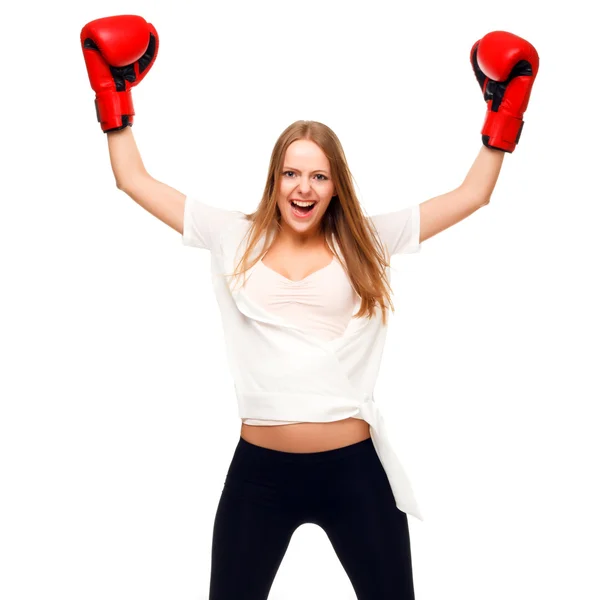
x=118 y=417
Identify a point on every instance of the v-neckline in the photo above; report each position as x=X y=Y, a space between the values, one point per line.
x=297 y=280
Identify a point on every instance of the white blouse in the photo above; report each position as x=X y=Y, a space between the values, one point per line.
x=276 y=331
x=321 y=303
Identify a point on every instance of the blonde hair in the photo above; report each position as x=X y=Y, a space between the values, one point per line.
x=364 y=255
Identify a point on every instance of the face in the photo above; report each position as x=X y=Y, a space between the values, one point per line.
x=305 y=177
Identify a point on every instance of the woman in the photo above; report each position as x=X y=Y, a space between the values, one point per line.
x=306 y=328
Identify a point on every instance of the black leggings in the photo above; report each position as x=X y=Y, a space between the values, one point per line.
x=268 y=494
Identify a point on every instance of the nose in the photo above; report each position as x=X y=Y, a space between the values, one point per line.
x=304 y=185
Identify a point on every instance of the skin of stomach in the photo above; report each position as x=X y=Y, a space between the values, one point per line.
x=307 y=437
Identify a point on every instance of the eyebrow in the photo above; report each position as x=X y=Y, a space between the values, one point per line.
x=317 y=171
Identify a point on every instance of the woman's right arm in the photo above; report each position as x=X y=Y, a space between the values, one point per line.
x=159 y=199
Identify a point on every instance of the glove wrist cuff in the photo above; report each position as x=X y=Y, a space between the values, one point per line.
x=501 y=131
x=114 y=110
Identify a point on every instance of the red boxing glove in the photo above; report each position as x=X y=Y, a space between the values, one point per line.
x=118 y=51
x=505 y=66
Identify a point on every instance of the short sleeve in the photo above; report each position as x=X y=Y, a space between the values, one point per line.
x=203 y=223
x=400 y=230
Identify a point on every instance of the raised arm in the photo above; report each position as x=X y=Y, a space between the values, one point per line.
x=159 y=199
x=505 y=66
x=119 y=52
x=445 y=210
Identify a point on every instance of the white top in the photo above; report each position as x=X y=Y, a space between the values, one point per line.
x=321 y=304
x=271 y=349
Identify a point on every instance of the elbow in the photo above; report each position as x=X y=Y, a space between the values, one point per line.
x=122 y=187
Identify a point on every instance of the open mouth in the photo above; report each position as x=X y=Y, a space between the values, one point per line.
x=302 y=209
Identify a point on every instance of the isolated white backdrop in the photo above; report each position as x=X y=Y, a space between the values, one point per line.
x=118 y=417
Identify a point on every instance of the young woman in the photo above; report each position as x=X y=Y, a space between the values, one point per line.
x=303 y=288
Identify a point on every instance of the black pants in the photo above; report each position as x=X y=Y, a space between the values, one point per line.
x=269 y=493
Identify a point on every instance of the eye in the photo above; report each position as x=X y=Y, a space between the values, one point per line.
x=318 y=175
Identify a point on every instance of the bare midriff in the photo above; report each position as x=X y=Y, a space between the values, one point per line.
x=307 y=437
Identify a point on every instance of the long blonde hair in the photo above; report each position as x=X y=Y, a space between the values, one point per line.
x=365 y=256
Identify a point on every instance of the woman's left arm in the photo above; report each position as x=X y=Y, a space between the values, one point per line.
x=505 y=66
x=441 y=212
